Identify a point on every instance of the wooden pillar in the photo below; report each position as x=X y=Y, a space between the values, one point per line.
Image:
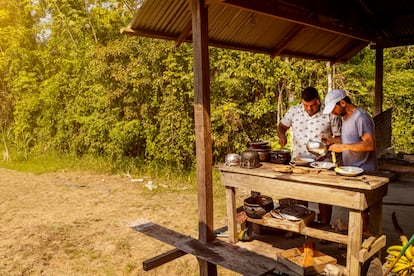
x=379 y=75
x=203 y=128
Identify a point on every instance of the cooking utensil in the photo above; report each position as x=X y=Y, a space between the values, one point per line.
x=249 y=160
x=281 y=156
x=317 y=147
x=258 y=206
x=334 y=158
x=232 y=159
x=294 y=212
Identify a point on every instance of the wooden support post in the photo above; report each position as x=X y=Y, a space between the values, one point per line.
x=203 y=128
x=379 y=75
x=354 y=242
x=231 y=214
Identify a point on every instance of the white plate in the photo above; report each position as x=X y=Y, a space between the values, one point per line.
x=302 y=161
x=322 y=165
x=349 y=170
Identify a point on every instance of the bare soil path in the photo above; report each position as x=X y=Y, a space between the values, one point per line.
x=75 y=223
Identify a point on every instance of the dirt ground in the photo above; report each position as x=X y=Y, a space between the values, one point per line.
x=75 y=223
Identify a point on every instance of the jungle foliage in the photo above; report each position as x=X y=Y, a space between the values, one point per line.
x=70 y=82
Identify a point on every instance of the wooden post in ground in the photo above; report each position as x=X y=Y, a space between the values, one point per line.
x=203 y=128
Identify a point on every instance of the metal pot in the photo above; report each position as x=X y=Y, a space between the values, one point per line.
x=317 y=147
x=281 y=156
x=258 y=145
x=264 y=155
x=232 y=159
x=249 y=160
x=258 y=206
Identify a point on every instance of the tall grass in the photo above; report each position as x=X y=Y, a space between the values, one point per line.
x=53 y=162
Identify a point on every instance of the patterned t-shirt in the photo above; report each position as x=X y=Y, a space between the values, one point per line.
x=304 y=127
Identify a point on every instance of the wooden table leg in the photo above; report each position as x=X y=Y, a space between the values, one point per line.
x=375 y=218
x=231 y=213
x=354 y=243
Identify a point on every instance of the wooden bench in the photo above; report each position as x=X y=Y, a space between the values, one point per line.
x=217 y=252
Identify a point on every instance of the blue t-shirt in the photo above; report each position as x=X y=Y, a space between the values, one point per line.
x=353 y=128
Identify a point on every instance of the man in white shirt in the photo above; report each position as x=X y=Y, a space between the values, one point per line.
x=307 y=121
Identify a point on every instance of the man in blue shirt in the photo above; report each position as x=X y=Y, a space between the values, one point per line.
x=357 y=141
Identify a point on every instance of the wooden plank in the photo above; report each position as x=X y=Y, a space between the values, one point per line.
x=162 y=259
x=294 y=259
x=300 y=227
x=297 y=190
x=215 y=252
x=294 y=226
x=315 y=176
x=325 y=235
x=368 y=251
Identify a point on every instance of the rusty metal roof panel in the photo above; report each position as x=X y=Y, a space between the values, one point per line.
x=242 y=28
x=165 y=18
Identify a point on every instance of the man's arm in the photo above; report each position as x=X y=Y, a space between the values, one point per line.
x=281 y=133
x=367 y=143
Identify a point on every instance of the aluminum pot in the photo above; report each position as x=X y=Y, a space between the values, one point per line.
x=281 y=156
x=232 y=159
x=258 y=206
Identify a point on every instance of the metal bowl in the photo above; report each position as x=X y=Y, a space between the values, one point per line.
x=317 y=147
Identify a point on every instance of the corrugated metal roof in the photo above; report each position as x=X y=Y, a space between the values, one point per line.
x=322 y=30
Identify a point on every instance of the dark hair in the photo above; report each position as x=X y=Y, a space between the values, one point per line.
x=347 y=99
x=309 y=94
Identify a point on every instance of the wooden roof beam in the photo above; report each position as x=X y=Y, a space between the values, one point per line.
x=184 y=34
x=291 y=34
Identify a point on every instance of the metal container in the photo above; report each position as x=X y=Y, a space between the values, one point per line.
x=257 y=206
x=232 y=159
x=249 y=160
x=317 y=147
x=281 y=156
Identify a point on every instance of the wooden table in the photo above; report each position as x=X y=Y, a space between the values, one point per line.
x=357 y=193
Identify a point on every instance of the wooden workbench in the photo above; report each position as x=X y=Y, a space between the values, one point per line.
x=356 y=193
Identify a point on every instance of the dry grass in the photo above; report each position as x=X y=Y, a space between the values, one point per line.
x=75 y=223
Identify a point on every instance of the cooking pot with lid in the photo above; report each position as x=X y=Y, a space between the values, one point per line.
x=257 y=206
x=281 y=156
x=249 y=160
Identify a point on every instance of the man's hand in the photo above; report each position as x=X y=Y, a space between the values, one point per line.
x=282 y=140
x=337 y=148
